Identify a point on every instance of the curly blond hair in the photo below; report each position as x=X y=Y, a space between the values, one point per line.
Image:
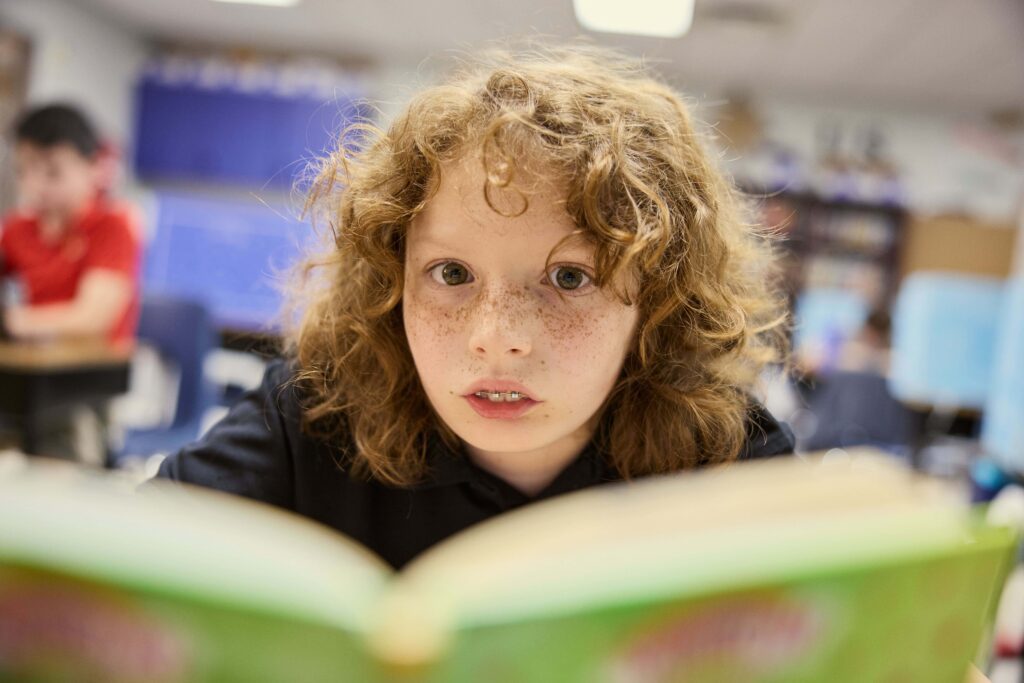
x=641 y=187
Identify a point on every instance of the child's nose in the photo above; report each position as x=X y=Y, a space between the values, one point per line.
x=500 y=326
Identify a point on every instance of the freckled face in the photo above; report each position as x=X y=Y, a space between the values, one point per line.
x=479 y=305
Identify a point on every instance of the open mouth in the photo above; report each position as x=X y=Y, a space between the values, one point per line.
x=502 y=405
x=501 y=396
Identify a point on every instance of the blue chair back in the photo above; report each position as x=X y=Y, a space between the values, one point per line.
x=857 y=409
x=182 y=332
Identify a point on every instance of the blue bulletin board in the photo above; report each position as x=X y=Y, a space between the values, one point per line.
x=231 y=254
x=209 y=122
x=231 y=131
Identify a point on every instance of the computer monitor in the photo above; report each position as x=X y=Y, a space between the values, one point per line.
x=944 y=329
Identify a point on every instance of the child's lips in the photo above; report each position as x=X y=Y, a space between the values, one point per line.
x=501 y=386
x=503 y=410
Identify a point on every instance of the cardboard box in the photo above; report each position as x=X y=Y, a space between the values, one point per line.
x=959 y=244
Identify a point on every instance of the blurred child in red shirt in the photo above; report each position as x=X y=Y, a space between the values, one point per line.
x=75 y=252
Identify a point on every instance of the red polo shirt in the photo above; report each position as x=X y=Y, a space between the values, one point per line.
x=104 y=237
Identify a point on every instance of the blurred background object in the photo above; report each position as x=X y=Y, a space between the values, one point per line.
x=944 y=338
x=1003 y=432
x=14 y=60
x=182 y=333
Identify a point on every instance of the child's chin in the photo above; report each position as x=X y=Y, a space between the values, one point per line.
x=490 y=438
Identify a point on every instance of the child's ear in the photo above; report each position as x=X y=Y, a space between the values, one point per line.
x=106 y=165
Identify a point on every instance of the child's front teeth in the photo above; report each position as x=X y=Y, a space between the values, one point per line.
x=498 y=396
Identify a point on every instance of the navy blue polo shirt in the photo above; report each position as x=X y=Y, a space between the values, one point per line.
x=260 y=451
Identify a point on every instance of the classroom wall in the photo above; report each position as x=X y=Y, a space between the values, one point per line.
x=82 y=56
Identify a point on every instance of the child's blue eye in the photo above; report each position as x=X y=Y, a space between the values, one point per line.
x=451 y=273
x=568 y=278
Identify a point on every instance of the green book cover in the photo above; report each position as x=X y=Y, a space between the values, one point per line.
x=782 y=571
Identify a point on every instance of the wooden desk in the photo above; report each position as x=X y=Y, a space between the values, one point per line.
x=260 y=342
x=38 y=380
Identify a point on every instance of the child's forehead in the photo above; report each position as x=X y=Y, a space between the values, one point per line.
x=60 y=152
x=466 y=205
x=527 y=173
x=495 y=191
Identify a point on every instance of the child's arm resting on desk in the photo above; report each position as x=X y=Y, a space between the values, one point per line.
x=109 y=270
x=98 y=305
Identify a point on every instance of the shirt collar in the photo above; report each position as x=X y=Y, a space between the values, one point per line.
x=765 y=437
x=446 y=467
x=452 y=468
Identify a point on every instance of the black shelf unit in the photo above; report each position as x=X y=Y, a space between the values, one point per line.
x=843 y=244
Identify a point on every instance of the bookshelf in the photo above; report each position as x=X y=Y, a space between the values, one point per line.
x=837 y=244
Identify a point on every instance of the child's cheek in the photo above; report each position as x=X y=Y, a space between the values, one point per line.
x=579 y=338
x=433 y=324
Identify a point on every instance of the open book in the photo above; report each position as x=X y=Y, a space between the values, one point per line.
x=780 y=571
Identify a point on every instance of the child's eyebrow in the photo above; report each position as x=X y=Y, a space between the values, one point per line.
x=433 y=241
x=429 y=241
x=579 y=247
